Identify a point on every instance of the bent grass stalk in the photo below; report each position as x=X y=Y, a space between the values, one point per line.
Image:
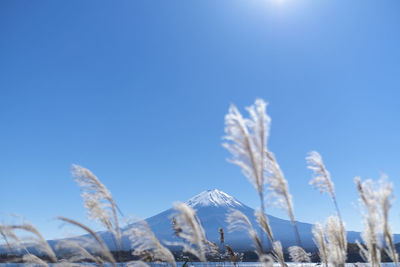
x=247 y=139
x=385 y=199
x=319 y=240
x=334 y=249
x=247 y=142
x=41 y=243
x=81 y=252
x=144 y=240
x=322 y=178
x=371 y=252
x=336 y=241
x=187 y=226
x=238 y=221
x=98 y=200
x=104 y=249
x=298 y=254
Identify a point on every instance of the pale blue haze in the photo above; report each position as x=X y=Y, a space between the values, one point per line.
x=137 y=91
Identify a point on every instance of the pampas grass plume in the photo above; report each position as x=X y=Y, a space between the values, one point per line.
x=98 y=200
x=298 y=254
x=144 y=240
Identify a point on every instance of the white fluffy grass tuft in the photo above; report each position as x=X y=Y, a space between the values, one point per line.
x=376 y=198
x=385 y=200
x=188 y=227
x=104 y=250
x=238 y=221
x=33 y=260
x=263 y=222
x=370 y=249
x=298 y=254
x=37 y=239
x=98 y=201
x=319 y=240
x=322 y=178
x=277 y=252
x=247 y=142
x=336 y=241
x=143 y=240
x=77 y=252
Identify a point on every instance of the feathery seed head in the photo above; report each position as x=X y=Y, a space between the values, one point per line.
x=322 y=178
x=319 y=240
x=263 y=221
x=238 y=221
x=144 y=240
x=98 y=200
x=298 y=254
x=277 y=252
x=247 y=139
x=191 y=232
x=336 y=241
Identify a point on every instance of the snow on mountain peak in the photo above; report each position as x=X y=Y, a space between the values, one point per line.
x=213 y=197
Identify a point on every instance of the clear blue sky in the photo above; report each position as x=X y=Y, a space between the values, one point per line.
x=137 y=91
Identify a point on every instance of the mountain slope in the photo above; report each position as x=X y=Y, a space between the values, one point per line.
x=212 y=207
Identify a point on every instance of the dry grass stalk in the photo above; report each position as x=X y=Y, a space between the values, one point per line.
x=248 y=145
x=368 y=198
x=385 y=199
x=7 y=234
x=377 y=199
x=336 y=241
x=322 y=178
x=221 y=235
x=238 y=221
x=278 y=186
x=176 y=227
x=37 y=240
x=105 y=252
x=40 y=243
x=247 y=142
x=298 y=254
x=232 y=255
x=277 y=253
x=266 y=260
x=13 y=242
x=334 y=248
x=264 y=224
x=319 y=240
x=191 y=232
x=80 y=252
x=98 y=201
x=144 y=240
x=34 y=260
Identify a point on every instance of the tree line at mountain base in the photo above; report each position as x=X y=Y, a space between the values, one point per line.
x=353 y=255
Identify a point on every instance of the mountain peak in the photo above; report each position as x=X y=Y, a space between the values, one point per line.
x=215 y=198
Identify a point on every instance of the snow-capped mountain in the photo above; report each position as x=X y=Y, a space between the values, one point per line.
x=212 y=207
x=214 y=198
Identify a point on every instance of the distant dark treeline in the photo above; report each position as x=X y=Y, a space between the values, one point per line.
x=353 y=255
